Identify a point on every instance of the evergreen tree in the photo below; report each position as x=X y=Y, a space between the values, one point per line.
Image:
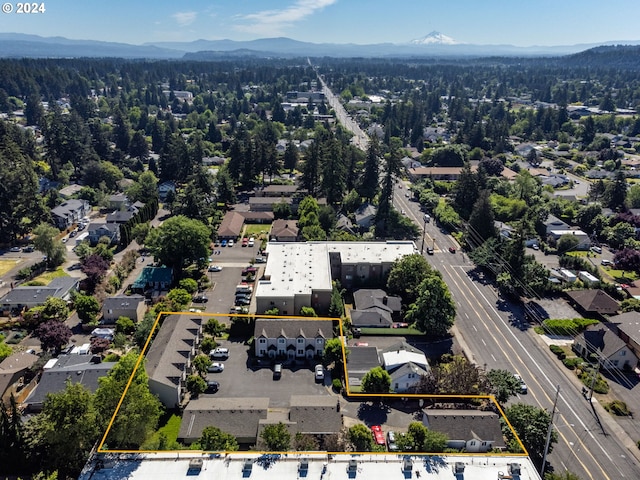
x=370 y=183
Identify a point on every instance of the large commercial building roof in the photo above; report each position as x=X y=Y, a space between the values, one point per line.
x=256 y=466
x=303 y=267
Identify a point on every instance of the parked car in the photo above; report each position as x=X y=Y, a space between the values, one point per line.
x=319 y=373
x=223 y=243
x=245 y=241
x=261 y=260
x=242 y=301
x=215 y=268
x=378 y=434
x=200 y=299
x=523 y=386
x=216 y=367
x=219 y=352
x=75 y=266
x=596 y=249
x=452 y=250
x=29 y=249
x=238 y=310
x=606 y=263
x=429 y=251
x=15 y=249
x=249 y=270
x=230 y=243
x=212 y=387
x=277 y=371
x=252 y=242
x=391 y=441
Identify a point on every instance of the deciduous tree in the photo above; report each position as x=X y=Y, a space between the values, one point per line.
x=276 y=437
x=376 y=380
x=361 y=438
x=434 y=311
x=53 y=335
x=530 y=424
x=214 y=439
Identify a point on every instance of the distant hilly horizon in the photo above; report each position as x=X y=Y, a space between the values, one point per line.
x=435 y=44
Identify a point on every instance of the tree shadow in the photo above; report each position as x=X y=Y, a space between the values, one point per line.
x=373 y=413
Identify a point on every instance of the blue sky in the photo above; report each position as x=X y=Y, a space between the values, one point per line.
x=516 y=22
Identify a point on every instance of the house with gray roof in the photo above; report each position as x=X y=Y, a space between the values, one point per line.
x=83 y=369
x=130 y=306
x=628 y=329
x=315 y=414
x=366 y=215
x=169 y=358
x=32 y=296
x=407 y=376
x=291 y=337
x=361 y=359
x=69 y=212
x=475 y=431
x=239 y=417
x=405 y=364
x=96 y=231
x=284 y=230
x=374 y=308
x=13 y=370
x=602 y=339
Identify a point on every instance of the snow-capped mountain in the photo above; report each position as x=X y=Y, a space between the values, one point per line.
x=434 y=38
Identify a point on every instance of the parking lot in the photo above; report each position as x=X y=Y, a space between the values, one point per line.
x=240 y=379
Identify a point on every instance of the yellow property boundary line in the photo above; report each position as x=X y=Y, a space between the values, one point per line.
x=349 y=394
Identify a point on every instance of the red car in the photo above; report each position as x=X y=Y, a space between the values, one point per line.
x=378 y=434
x=452 y=250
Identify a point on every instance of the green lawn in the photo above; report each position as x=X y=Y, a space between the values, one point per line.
x=621 y=276
x=47 y=276
x=6 y=265
x=169 y=429
x=391 y=332
x=256 y=229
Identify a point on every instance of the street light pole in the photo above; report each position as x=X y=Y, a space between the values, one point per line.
x=424 y=233
x=546 y=446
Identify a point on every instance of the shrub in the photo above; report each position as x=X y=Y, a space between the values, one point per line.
x=567 y=327
x=558 y=351
x=337 y=384
x=601 y=386
x=571 y=363
x=618 y=408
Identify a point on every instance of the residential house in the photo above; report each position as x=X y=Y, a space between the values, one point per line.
x=278 y=191
x=118 y=201
x=315 y=414
x=153 y=279
x=130 y=306
x=603 y=340
x=168 y=361
x=628 y=328
x=360 y=361
x=366 y=215
x=14 y=374
x=405 y=364
x=554 y=223
x=437 y=173
x=374 y=308
x=182 y=95
x=284 y=230
x=584 y=241
x=83 y=369
x=593 y=302
x=69 y=191
x=164 y=188
x=69 y=212
x=96 y=231
x=239 y=417
x=265 y=204
x=291 y=338
x=123 y=215
x=24 y=297
x=257 y=217
x=474 y=431
x=231 y=226
x=344 y=224
x=300 y=274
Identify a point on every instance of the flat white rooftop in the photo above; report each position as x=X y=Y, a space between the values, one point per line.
x=175 y=466
x=297 y=268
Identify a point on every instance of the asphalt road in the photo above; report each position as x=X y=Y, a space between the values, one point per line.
x=497 y=337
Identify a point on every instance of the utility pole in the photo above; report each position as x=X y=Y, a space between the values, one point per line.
x=549 y=430
x=593 y=380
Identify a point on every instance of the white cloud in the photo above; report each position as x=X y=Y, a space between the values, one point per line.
x=273 y=22
x=184 y=18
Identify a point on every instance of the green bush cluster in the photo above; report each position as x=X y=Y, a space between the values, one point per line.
x=558 y=351
x=337 y=384
x=600 y=385
x=568 y=326
x=618 y=408
x=571 y=363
